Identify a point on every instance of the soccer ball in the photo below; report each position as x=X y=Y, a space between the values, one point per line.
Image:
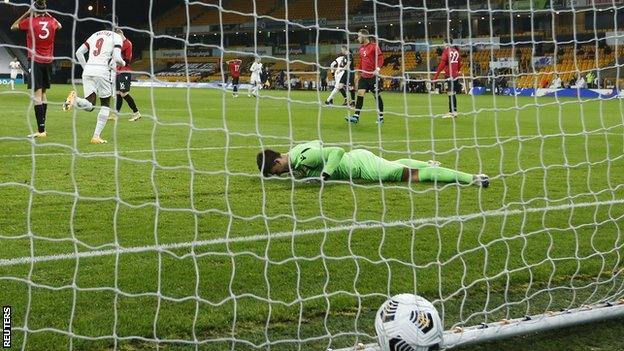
x=408 y=322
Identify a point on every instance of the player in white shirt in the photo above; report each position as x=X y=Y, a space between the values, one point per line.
x=255 y=81
x=99 y=71
x=338 y=68
x=16 y=69
x=556 y=83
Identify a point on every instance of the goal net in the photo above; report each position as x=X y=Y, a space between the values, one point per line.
x=170 y=237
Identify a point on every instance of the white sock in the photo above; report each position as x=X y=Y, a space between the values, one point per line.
x=12 y=84
x=251 y=87
x=83 y=104
x=333 y=93
x=102 y=117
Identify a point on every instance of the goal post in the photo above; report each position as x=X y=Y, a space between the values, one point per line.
x=170 y=235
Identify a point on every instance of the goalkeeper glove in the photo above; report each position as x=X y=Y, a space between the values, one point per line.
x=324 y=177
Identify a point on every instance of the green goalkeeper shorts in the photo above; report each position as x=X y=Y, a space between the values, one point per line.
x=363 y=164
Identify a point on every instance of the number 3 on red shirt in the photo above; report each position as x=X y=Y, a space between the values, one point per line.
x=44 y=29
x=98 y=47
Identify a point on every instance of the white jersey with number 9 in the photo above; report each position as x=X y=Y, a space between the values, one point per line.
x=101 y=46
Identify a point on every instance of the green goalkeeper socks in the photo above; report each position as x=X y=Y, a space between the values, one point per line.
x=443 y=175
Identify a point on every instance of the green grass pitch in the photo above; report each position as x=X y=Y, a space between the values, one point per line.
x=299 y=266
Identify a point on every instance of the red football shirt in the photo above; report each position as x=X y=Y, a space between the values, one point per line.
x=370 y=58
x=235 y=68
x=126 y=54
x=450 y=63
x=42 y=29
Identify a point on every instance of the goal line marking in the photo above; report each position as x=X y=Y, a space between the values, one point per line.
x=298 y=233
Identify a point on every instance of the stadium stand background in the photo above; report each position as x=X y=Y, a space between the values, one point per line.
x=279 y=24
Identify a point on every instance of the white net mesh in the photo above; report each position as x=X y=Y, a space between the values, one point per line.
x=169 y=237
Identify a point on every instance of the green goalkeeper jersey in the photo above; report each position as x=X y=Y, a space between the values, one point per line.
x=312 y=159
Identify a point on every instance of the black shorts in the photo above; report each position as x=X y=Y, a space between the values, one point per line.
x=235 y=80
x=348 y=78
x=371 y=84
x=453 y=85
x=40 y=75
x=123 y=82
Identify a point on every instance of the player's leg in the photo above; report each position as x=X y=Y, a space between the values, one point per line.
x=363 y=87
x=125 y=86
x=118 y=102
x=235 y=86
x=104 y=91
x=89 y=86
x=445 y=175
x=379 y=99
x=416 y=164
x=457 y=88
x=119 y=95
x=352 y=87
x=39 y=115
x=44 y=101
x=37 y=83
x=251 y=86
x=372 y=168
x=450 y=91
x=330 y=98
x=87 y=104
x=46 y=83
x=344 y=81
x=12 y=82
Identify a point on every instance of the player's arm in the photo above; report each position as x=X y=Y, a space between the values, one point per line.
x=332 y=66
x=324 y=160
x=80 y=55
x=128 y=52
x=442 y=65
x=117 y=59
x=379 y=58
x=56 y=22
x=332 y=157
x=17 y=25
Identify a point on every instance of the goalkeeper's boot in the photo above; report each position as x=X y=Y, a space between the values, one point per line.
x=69 y=102
x=38 y=135
x=353 y=119
x=380 y=120
x=449 y=115
x=98 y=140
x=345 y=103
x=329 y=102
x=135 y=117
x=481 y=180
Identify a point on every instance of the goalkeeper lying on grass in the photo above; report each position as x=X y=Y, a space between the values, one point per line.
x=312 y=160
